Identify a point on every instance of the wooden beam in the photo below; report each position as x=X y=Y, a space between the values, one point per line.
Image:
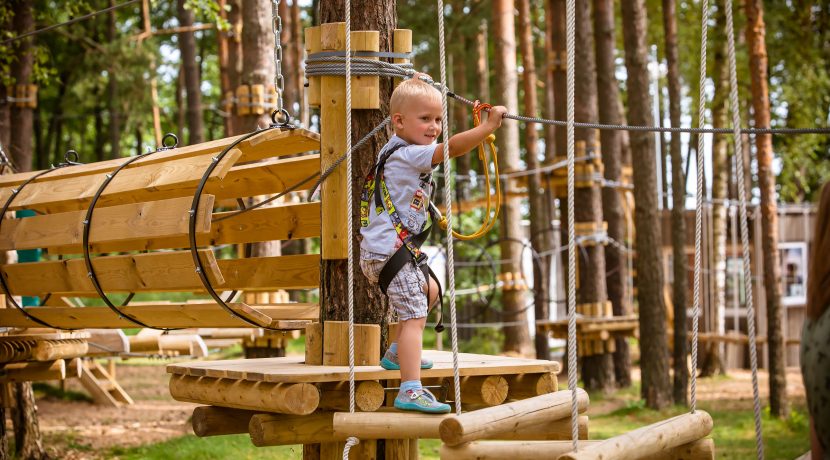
x=285 y=221
x=281 y=430
x=124 y=227
x=649 y=440
x=336 y=344
x=266 y=144
x=703 y=449
x=508 y=418
x=522 y=386
x=161 y=272
x=155 y=182
x=396 y=424
x=166 y=315
x=334 y=396
x=33 y=372
x=482 y=390
x=288 y=398
x=218 y=421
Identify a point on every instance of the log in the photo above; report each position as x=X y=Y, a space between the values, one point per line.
x=395 y=424
x=334 y=396
x=508 y=418
x=703 y=449
x=33 y=371
x=218 y=421
x=522 y=386
x=336 y=344
x=281 y=430
x=284 y=398
x=50 y=350
x=649 y=440
x=482 y=390
x=107 y=342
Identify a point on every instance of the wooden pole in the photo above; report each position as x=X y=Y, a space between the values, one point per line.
x=649 y=440
x=703 y=449
x=368 y=394
x=281 y=430
x=217 y=421
x=293 y=398
x=522 y=386
x=482 y=390
x=412 y=425
x=508 y=418
x=33 y=371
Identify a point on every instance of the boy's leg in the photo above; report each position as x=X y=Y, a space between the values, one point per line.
x=410 y=341
x=432 y=291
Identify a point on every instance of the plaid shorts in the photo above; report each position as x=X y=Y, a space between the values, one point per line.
x=405 y=292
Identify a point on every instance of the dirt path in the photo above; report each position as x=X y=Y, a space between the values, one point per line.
x=82 y=430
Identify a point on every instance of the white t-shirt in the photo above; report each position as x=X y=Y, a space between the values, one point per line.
x=407 y=174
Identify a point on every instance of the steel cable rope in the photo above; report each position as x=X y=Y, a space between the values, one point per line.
x=364 y=66
x=66 y=23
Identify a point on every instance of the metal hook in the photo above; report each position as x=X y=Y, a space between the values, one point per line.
x=164 y=144
x=71 y=157
x=281 y=118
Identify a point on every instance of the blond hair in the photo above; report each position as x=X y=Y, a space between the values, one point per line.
x=408 y=90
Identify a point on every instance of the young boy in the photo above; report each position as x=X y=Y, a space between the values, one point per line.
x=416 y=118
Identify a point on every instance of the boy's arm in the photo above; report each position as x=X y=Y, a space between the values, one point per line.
x=465 y=141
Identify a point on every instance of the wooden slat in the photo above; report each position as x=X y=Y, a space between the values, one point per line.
x=271 y=143
x=271 y=273
x=161 y=271
x=165 y=315
x=164 y=180
x=281 y=222
x=265 y=178
x=128 y=226
x=292 y=369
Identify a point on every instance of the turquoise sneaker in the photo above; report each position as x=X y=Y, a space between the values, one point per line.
x=390 y=362
x=420 y=401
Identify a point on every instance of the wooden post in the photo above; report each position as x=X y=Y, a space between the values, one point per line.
x=335 y=396
x=314 y=344
x=482 y=390
x=336 y=344
x=508 y=418
x=703 y=449
x=649 y=440
x=401 y=43
x=280 y=430
x=522 y=386
x=312 y=45
x=217 y=421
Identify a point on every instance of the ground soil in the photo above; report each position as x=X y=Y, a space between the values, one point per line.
x=82 y=430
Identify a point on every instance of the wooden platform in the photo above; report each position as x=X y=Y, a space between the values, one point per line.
x=292 y=369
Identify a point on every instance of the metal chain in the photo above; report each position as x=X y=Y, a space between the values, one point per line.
x=279 y=80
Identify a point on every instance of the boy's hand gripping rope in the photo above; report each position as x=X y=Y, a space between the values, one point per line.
x=489 y=221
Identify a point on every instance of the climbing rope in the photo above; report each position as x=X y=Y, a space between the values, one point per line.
x=351 y=441
x=750 y=315
x=490 y=217
x=570 y=18
x=445 y=130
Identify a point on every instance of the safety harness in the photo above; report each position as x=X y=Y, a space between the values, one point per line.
x=410 y=250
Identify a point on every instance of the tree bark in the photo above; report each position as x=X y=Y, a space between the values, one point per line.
x=755 y=37
x=288 y=63
x=483 y=62
x=711 y=358
x=112 y=94
x=192 y=79
x=370 y=303
x=654 y=354
x=608 y=93
x=20 y=142
x=296 y=72
x=598 y=369
x=678 y=222
x=538 y=216
x=257 y=58
x=516 y=335
x=27 y=440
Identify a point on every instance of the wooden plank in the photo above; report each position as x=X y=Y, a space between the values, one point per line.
x=130 y=225
x=169 y=315
x=292 y=369
x=164 y=180
x=264 y=178
x=271 y=143
x=271 y=273
x=703 y=449
x=161 y=271
x=284 y=221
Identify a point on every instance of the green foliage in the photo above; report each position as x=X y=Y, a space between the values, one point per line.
x=213 y=448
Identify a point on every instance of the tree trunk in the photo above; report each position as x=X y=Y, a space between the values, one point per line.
x=370 y=304
x=516 y=336
x=654 y=360
x=755 y=37
x=550 y=68
x=296 y=73
x=112 y=94
x=597 y=369
x=288 y=62
x=223 y=41
x=608 y=93
x=192 y=79
x=483 y=62
x=257 y=58
x=678 y=222
x=459 y=113
x=711 y=362
x=538 y=216
x=20 y=142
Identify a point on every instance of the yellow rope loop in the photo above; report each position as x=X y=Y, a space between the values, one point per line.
x=489 y=220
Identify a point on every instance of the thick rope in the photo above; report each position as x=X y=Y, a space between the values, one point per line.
x=570 y=20
x=699 y=198
x=363 y=66
x=351 y=441
x=750 y=315
x=448 y=191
